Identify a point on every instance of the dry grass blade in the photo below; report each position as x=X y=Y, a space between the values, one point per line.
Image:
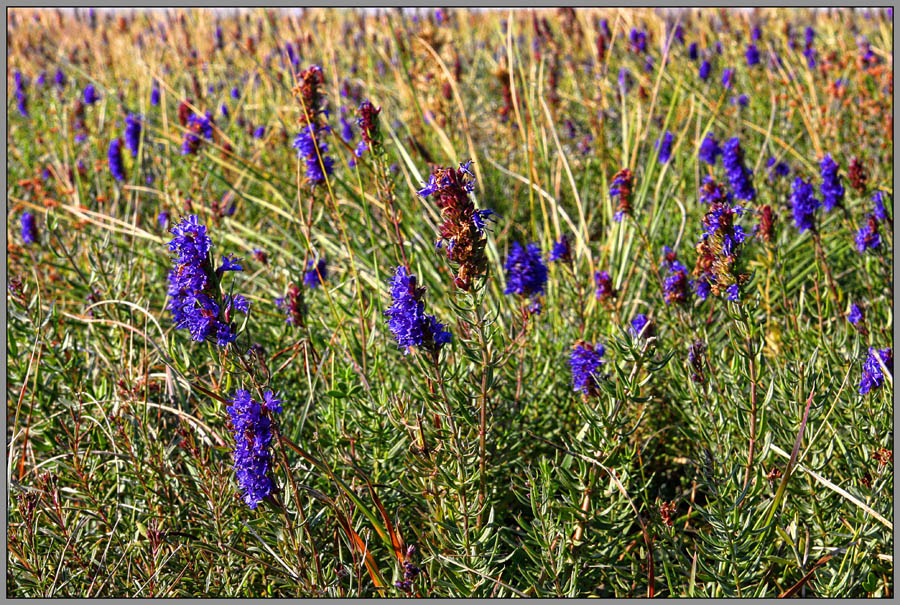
x=779 y=495
x=836 y=489
x=793 y=590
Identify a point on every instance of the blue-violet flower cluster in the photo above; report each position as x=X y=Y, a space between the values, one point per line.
x=313 y=150
x=872 y=374
x=832 y=189
x=132 y=133
x=718 y=253
x=675 y=286
x=621 y=187
x=585 y=361
x=315 y=273
x=709 y=150
x=251 y=426
x=193 y=285
x=197 y=127
x=21 y=97
x=407 y=320
x=116 y=163
x=562 y=250
x=640 y=326
x=739 y=177
x=605 y=290
x=855 y=315
x=309 y=142
x=803 y=204
x=526 y=273
x=665 y=147
x=29 y=228
x=90 y=95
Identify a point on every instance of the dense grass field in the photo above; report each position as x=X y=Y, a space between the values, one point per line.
x=449 y=303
